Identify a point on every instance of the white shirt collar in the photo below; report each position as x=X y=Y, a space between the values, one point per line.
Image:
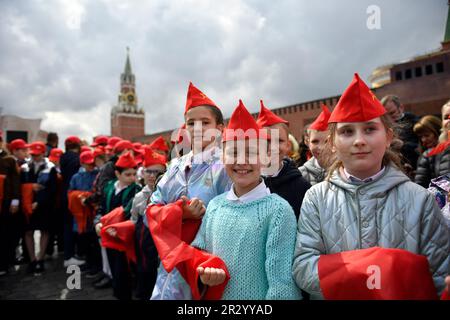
x=118 y=187
x=355 y=179
x=260 y=191
x=275 y=174
x=201 y=157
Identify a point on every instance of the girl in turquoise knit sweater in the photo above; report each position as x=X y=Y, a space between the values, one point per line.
x=251 y=230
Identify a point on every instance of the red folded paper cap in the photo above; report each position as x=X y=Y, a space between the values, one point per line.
x=357 y=104
x=267 y=118
x=321 y=122
x=196 y=98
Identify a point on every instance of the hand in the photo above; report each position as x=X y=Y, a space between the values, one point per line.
x=82 y=199
x=37 y=187
x=13 y=209
x=211 y=276
x=34 y=206
x=98 y=228
x=112 y=232
x=195 y=210
x=447 y=282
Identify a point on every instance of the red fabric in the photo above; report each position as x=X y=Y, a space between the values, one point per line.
x=114 y=216
x=445 y=295
x=441 y=147
x=197 y=98
x=123 y=145
x=151 y=158
x=87 y=157
x=2 y=189
x=73 y=140
x=357 y=104
x=85 y=149
x=124 y=239
x=55 y=154
x=243 y=126
x=112 y=141
x=403 y=275
x=267 y=118
x=18 y=144
x=159 y=144
x=37 y=147
x=100 y=140
x=27 y=198
x=321 y=122
x=126 y=161
x=98 y=151
x=166 y=226
x=82 y=214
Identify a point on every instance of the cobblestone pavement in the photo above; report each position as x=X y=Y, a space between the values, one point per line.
x=50 y=285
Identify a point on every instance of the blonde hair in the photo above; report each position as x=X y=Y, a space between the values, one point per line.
x=428 y=123
x=391 y=156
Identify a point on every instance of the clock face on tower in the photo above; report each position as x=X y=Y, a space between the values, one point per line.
x=130 y=98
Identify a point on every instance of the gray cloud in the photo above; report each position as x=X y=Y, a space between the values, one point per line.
x=61 y=60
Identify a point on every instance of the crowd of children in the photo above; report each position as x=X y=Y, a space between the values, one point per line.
x=235 y=215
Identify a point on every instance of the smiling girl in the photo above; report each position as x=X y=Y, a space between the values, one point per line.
x=366 y=200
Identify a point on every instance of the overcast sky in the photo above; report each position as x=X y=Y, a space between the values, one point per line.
x=61 y=60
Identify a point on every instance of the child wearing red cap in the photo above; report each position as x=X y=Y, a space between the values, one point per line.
x=198 y=176
x=86 y=242
x=251 y=229
x=284 y=178
x=119 y=193
x=314 y=169
x=366 y=201
x=42 y=174
x=9 y=209
x=146 y=254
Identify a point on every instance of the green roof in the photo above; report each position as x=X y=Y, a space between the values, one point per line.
x=447 y=27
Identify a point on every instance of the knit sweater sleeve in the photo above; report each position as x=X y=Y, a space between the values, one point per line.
x=200 y=240
x=279 y=253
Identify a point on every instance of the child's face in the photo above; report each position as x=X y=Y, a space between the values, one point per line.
x=127 y=177
x=88 y=167
x=428 y=139
x=361 y=146
x=202 y=121
x=21 y=154
x=445 y=115
x=242 y=164
x=316 y=143
x=284 y=145
x=151 y=173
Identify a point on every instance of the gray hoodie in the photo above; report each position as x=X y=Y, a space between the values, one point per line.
x=312 y=172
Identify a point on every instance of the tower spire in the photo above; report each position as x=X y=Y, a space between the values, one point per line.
x=128 y=64
x=446 y=42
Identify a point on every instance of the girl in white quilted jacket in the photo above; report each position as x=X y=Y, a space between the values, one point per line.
x=366 y=200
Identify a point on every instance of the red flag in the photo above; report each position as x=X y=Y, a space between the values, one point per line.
x=376 y=274
x=124 y=239
x=80 y=212
x=27 y=198
x=114 y=216
x=168 y=232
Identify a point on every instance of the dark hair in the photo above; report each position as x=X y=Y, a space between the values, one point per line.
x=52 y=137
x=72 y=146
x=120 y=169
